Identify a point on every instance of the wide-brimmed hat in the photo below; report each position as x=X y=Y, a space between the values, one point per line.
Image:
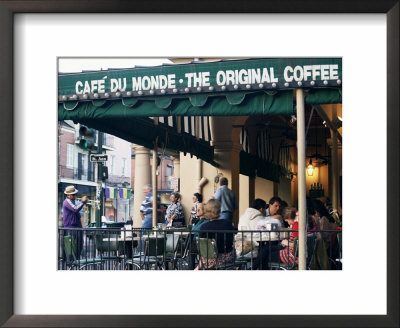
x=70 y=190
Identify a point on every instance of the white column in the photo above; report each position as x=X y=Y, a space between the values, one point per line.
x=154 y=177
x=335 y=171
x=154 y=184
x=142 y=177
x=301 y=165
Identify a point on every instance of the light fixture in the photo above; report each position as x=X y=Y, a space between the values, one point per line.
x=337 y=122
x=312 y=83
x=299 y=83
x=274 y=85
x=310 y=169
x=286 y=84
x=248 y=86
x=261 y=85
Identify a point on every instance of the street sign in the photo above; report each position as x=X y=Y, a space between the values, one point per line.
x=98 y=158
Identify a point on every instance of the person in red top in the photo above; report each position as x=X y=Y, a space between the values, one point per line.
x=284 y=252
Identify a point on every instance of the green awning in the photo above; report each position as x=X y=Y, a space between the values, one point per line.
x=117 y=101
x=253 y=166
x=252 y=103
x=144 y=132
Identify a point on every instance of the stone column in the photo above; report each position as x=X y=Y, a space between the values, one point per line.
x=226 y=154
x=177 y=166
x=142 y=177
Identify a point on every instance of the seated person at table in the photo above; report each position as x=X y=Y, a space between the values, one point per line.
x=224 y=240
x=245 y=243
x=282 y=252
x=174 y=216
x=202 y=219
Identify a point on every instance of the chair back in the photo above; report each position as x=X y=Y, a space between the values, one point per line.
x=171 y=243
x=339 y=241
x=155 y=246
x=104 y=244
x=207 y=248
x=70 y=247
x=311 y=245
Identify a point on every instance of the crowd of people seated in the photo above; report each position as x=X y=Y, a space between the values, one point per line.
x=270 y=219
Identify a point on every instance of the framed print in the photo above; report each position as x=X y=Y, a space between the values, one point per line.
x=105 y=36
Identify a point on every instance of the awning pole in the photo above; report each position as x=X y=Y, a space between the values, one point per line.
x=335 y=173
x=154 y=177
x=301 y=165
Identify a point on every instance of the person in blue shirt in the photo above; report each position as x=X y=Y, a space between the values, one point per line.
x=227 y=199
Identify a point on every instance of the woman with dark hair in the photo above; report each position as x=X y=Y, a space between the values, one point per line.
x=197 y=199
x=284 y=252
x=174 y=216
x=325 y=222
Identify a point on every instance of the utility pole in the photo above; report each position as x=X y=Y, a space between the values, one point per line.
x=99 y=189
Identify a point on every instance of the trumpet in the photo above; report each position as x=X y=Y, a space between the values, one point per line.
x=90 y=201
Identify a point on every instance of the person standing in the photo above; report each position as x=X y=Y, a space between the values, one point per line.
x=146 y=209
x=72 y=217
x=227 y=199
x=174 y=216
x=197 y=200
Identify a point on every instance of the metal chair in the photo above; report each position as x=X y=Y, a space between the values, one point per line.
x=311 y=245
x=186 y=259
x=108 y=250
x=154 y=255
x=208 y=249
x=171 y=249
x=79 y=264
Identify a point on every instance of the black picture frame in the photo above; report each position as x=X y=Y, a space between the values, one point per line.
x=7 y=11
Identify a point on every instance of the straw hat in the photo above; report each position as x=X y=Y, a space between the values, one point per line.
x=70 y=190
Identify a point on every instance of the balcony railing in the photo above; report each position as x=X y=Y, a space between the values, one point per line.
x=76 y=174
x=187 y=249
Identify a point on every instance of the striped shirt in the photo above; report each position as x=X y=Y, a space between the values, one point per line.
x=147 y=205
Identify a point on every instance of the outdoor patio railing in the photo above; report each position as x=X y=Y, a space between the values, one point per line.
x=185 y=249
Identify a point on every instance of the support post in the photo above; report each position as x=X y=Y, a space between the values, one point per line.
x=334 y=153
x=301 y=164
x=154 y=177
x=98 y=182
